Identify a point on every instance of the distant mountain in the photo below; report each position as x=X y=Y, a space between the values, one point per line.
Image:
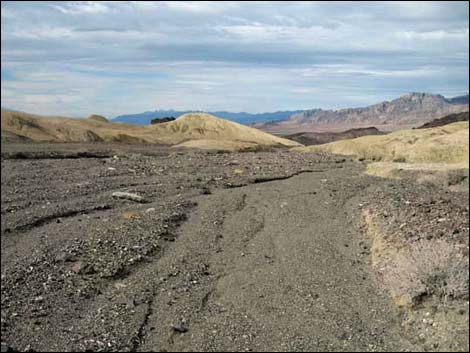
x=412 y=109
x=241 y=118
x=459 y=100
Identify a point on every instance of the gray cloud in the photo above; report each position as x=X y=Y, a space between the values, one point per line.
x=115 y=57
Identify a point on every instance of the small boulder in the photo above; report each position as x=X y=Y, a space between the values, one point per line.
x=130 y=216
x=129 y=196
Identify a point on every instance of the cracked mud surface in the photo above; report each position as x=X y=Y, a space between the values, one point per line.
x=239 y=251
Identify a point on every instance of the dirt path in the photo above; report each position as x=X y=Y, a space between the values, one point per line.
x=285 y=270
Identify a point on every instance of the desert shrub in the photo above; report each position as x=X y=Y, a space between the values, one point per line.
x=430 y=269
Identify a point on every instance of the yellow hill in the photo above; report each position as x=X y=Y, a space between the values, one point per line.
x=210 y=131
x=206 y=127
x=447 y=144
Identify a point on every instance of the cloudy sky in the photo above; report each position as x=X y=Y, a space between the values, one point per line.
x=81 y=57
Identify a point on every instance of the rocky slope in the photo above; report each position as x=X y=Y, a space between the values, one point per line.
x=410 y=110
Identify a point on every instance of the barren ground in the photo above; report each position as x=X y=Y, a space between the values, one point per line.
x=232 y=251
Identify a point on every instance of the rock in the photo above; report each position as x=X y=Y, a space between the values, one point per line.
x=149 y=210
x=206 y=191
x=82 y=268
x=180 y=328
x=130 y=216
x=128 y=196
x=111 y=169
x=39 y=299
x=65 y=257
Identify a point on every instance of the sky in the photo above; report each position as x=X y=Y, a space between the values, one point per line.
x=115 y=57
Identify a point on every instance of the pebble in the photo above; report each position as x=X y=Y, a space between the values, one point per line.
x=65 y=257
x=39 y=299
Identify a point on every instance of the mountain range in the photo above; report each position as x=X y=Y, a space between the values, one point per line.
x=410 y=110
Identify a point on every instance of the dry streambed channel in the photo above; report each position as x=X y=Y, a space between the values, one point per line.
x=134 y=248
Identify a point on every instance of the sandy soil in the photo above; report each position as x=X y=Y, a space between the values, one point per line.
x=230 y=251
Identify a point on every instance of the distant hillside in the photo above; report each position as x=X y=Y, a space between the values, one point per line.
x=445 y=144
x=413 y=109
x=318 y=138
x=448 y=119
x=241 y=118
x=210 y=132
